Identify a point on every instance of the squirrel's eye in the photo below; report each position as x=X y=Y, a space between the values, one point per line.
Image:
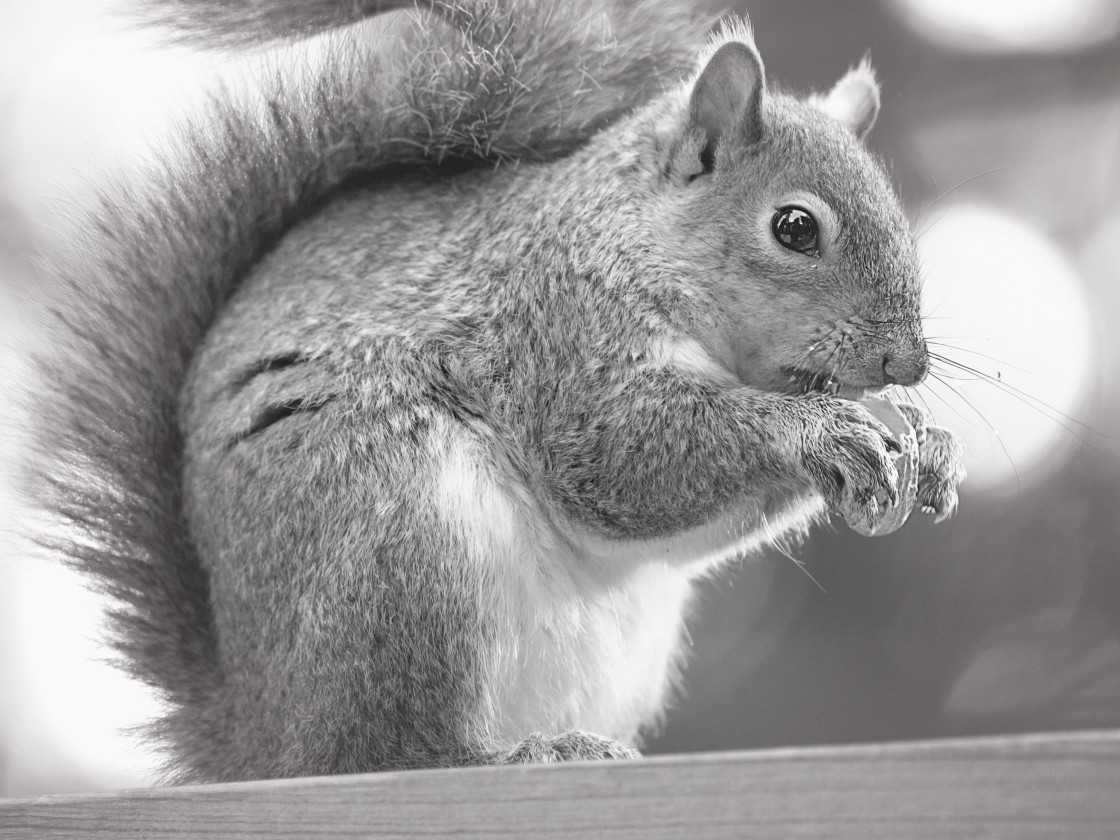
x=797 y=230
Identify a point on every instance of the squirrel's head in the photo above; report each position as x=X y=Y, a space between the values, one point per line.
x=792 y=228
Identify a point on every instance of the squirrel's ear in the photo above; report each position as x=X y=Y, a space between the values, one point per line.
x=854 y=100
x=727 y=95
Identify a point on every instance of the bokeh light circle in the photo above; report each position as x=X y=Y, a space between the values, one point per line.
x=1012 y=25
x=1008 y=315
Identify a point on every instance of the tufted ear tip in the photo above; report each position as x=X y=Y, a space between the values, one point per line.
x=854 y=100
x=727 y=94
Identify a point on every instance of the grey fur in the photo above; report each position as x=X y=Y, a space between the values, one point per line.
x=268 y=519
x=247 y=23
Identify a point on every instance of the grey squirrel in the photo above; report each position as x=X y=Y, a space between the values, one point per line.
x=402 y=414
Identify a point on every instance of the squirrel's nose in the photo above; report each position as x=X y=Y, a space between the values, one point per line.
x=905 y=368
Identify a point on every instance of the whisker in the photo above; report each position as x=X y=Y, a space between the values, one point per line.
x=832 y=384
x=805 y=360
x=957 y=336
x=936 y=342
x=1041 y=406
x=879 y=337
x=801 y=565
x=947 y=194
x=965 y=418
x=910 y=395
x=956 y=377
x=777 y=543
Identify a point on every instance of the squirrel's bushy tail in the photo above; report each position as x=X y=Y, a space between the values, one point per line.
x=456 y=83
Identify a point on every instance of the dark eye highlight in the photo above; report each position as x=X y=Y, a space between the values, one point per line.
x=796 y=229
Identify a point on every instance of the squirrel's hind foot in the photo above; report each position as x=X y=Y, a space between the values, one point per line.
x=573 y=745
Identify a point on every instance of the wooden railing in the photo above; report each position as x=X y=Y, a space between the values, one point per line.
x=1036 y=786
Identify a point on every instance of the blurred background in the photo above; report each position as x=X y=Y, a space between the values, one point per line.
x=1001 y=126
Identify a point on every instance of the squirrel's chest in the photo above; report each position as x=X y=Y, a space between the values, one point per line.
x=604 y=660
x=583 y=633
x=569 y=645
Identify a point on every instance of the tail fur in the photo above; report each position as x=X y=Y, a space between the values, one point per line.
x=456 y=84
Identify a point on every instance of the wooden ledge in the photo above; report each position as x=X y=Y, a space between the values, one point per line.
x=1034 y=786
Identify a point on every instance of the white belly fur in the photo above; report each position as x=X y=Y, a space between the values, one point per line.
x=591 y=628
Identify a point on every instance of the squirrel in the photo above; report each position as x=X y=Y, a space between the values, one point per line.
x=401 y=415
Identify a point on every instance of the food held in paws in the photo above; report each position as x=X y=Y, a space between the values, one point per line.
x=891 y=517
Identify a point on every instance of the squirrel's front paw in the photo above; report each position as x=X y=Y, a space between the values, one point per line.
x=852 y=462
x=929 y=465
x=573 y=745
x=940 y=463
